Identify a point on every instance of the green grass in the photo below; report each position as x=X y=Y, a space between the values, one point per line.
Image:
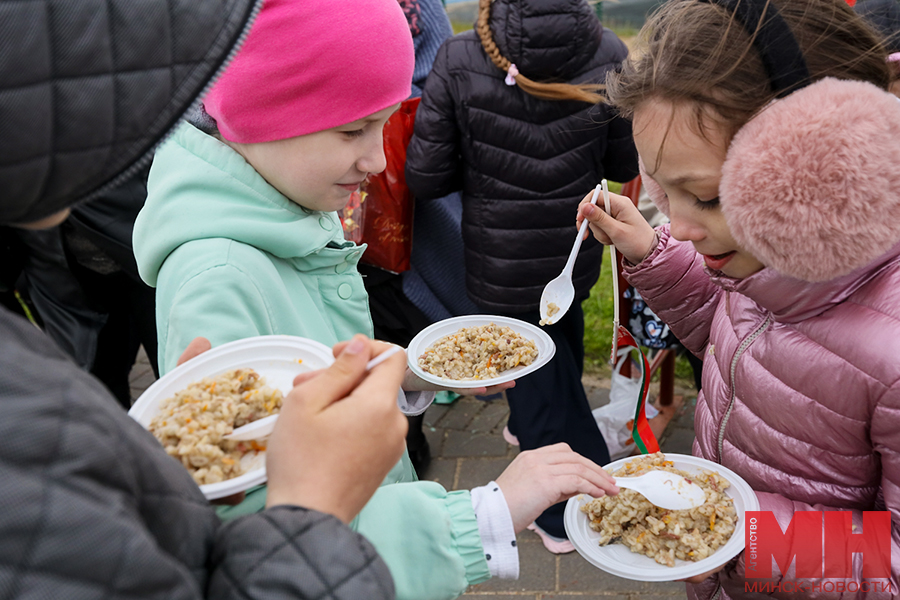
x=621 y=30
x=598 y=321
x=459 y=27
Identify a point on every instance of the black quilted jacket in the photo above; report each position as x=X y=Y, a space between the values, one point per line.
x=523 y=164
x=90 y=504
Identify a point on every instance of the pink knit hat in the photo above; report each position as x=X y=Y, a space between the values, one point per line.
x=310 y=65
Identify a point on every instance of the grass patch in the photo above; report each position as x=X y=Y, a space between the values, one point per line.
x=622 y=30
x=460 y=26
x=598 y=320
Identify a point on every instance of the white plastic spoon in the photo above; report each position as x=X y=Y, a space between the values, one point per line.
x=560 y=292
x=263 y=427
x=665 y=489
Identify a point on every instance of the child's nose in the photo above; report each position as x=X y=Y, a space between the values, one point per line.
x=685 y=229
x=373 y=160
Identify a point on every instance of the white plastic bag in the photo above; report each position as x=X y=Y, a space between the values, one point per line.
x=615 y=419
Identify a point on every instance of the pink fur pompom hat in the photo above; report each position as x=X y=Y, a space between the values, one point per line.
x=811 y=185
x=310 y=65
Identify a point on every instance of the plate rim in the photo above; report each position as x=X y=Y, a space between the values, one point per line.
x=213 y=491
x=413 y=359
x=573 y=512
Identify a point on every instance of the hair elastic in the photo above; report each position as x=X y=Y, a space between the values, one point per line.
x=511 y=73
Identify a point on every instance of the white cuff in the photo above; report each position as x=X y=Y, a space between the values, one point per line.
x=414 y=403
x=498 y=537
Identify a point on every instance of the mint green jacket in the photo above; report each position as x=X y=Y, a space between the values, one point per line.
x=231 y=258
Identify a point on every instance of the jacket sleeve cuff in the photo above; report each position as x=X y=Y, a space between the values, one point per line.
x=655 y=249
x=468 y=537
x=498 y=536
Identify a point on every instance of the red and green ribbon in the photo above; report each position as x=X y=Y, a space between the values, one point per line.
x=640 y=430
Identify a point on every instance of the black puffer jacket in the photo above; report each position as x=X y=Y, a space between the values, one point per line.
x=92 y=507
x=523 y=164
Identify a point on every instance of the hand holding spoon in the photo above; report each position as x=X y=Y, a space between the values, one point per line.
x=559 y=293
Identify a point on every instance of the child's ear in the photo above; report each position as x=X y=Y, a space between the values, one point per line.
x=810 y=185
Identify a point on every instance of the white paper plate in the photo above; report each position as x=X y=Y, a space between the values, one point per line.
x=620 y=561
x=278 y=358
x=428 y=336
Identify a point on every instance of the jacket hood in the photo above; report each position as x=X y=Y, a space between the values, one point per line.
x=199 y=188
x=546 y=39
x=87 y=94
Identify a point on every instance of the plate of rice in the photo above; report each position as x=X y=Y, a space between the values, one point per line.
x=478 y=351
x=192 y=407
x=627 y=536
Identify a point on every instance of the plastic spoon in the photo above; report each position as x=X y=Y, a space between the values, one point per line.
x=560 y=292
x=665 y=489
x=614 y=355
x=263 y=427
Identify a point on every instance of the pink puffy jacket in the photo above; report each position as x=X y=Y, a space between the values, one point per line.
x=801 y=389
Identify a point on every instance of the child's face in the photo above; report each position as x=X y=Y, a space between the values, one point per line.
x=320 y=170
x=689 y=171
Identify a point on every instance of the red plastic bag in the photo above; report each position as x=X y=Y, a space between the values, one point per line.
x=380 y=214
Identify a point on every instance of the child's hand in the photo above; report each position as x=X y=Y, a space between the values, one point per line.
x=198 y=346
x=339 y=433
x=414 y=383
x=701 y=578
x=538 y=479
x=627 y=228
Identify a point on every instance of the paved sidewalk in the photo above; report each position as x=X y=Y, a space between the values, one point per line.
x=469 y=450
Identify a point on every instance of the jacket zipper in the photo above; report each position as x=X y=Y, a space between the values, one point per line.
x=737 y=355
x=145 y=158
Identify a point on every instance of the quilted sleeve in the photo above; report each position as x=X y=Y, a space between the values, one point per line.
x=92 y=507
x=433 y=162
x=673 y=283
x=292 y=552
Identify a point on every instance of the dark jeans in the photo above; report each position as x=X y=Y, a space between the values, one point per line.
x=549 y=406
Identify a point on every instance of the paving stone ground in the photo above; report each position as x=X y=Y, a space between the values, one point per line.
x=468 y=450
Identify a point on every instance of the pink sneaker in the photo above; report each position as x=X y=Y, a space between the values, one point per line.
x=552 y=543
x=509 y=437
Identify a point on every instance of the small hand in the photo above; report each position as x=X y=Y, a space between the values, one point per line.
x=626 y=228
x=703 y=577
x=537 y=479
x=198 y=346
x=414 y=383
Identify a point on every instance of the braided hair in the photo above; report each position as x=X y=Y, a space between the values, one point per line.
x=584 y=92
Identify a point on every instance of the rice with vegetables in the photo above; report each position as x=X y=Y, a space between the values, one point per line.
x=661 y=534
x=552 y=309
x=191 y=424
x=480 y=352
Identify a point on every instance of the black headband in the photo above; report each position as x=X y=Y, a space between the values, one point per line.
x=781 y=55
